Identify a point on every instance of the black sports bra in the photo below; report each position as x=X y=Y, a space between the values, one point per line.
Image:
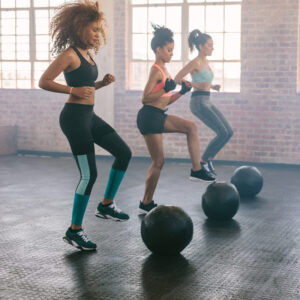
x=85 y=75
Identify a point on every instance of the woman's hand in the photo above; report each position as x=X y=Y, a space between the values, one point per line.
x=170 y=85
x=185 y=87
x=216 y=87
x=108 y=79
x=83 y=92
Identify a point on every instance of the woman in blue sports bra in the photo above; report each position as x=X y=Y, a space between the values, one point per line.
x=201 y=106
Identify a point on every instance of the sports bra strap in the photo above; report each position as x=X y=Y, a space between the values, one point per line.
x=161 y=70
x=77 y=51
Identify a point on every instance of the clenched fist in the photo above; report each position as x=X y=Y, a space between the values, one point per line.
x=108 y=79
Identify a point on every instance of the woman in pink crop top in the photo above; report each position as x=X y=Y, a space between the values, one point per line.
x=152 y=120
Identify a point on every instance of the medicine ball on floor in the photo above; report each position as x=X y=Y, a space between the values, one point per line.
x=167 y=230
x=220 y=201
x=248 y=181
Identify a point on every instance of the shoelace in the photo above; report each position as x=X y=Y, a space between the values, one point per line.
x=83 y=236
x=114 y=207
x=206 y=167
x=210 y=166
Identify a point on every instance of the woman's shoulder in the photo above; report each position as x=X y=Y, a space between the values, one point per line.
x=196 y=66
x=155 y=71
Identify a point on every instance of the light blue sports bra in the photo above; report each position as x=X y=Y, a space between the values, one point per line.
x=204 y=75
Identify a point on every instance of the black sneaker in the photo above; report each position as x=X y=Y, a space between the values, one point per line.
x=79 y=240
x=201 y=175
x=205 y=167
x=211 y=168
x=111 y=212
x=144 y=209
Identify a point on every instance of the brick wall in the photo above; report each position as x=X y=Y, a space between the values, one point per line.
x=265 y=115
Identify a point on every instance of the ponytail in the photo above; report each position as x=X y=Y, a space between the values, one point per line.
x=197 y=38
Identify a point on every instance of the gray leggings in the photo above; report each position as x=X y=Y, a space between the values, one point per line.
x=203 y=109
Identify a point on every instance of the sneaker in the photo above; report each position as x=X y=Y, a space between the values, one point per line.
x=201 y=175
x=211 y=168
x=79 y=240
x=111 y=212
x=205 y=167
x=144 y=209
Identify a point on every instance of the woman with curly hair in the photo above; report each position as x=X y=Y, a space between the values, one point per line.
x=152 y=120
x=76 y=29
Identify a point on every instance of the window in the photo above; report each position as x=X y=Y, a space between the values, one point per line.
x=25 y=41
x=219 y=18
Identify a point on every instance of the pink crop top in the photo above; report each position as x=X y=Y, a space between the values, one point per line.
x=160 y=85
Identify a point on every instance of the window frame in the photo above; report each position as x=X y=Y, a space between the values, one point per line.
x=32 y=45
x=184 y=36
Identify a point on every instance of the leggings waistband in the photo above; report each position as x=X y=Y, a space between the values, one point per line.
x=200 y=93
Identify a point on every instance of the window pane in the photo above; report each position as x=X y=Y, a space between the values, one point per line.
x=174 y=1
x=217 y=68
x=23 y=84
x=174 y=18
x=55 y=3
x=156 y=16
x=8 y=70
x=9 y=51
x=8 y=22
x=151 y=55
x=139 y=46
x=232 y=77
x=42 y=47
x=214 y=18
x=195 y=1
x=9 y=84
x=232 y=18
x=174 y=67
x=23 y=47
x=139 y=20
x=177 y=47
x=214 y=0
x=139 y=1
x=196 y=18
x=39 y=68
x=139 y=75
x=232 y=46
x=218 y=46
x=41 y=22
x=156 y=1
x=22 y=22
x=8 y=4
x=23 y=71
x=23 y=3
x=41 y=3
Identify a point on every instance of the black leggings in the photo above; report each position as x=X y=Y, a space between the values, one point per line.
x=83 y=128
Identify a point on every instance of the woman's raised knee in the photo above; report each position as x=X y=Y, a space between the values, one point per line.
x=192 y=128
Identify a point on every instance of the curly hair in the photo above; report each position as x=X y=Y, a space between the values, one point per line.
x=69 y=21
x=162 y=36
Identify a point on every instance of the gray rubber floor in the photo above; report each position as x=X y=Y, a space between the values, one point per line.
x=254 y=256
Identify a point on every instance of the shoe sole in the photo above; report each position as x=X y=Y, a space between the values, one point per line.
x=142 y=211
x=202 y=180
x=74 y=244
x=108 y=217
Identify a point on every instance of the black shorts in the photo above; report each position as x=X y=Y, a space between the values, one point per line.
x=151 y=119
